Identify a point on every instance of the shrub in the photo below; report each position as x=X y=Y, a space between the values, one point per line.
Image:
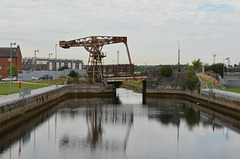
x=73 y=73
x=166 y=71
x=63 y=68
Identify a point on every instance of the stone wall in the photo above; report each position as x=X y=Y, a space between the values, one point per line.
x=14 y=113
x=157 y=81
x=224 y=104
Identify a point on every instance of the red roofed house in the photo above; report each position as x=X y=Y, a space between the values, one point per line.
x=5 y=62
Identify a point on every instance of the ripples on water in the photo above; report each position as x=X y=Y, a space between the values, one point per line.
x=124 y=128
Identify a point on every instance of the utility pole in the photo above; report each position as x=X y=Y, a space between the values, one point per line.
x=179 y=67
x=55 y=61
x=225 y=79
x=214 y=56
x=49 y=68
x=55 y=57
x=117 y=62
x=118 y=57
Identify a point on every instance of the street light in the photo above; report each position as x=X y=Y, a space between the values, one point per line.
x=117 y=61
x=118 y=57
x=49 y=67
x=11 y=44
x=35 y=51
x=224 y=67
x=214 y=56
x=55 y=60
x=179 y=67
x=228 y=62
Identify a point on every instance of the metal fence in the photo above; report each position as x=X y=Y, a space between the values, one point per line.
x=232 y=80
x=27 y=75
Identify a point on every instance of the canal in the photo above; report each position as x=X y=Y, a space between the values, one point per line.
x=124 y=128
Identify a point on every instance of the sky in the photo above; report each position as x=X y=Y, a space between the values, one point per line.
x=152 y=27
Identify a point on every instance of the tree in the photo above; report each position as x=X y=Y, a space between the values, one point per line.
x=14 y=70
x=197 y=64
x=166 y=70
x=73 y=73
x=63 y=68
x=190 y=81
x=216 y=68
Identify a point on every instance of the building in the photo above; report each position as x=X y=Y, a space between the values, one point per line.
x=5 y=59
x=28 y=63
x=232 y=78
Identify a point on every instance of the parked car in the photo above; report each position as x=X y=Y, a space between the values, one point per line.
x=7 y=79
x=14 y=78
x=46 y=77
x=35 y=77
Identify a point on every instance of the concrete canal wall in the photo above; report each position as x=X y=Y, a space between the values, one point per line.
x=15 y=112
x=216 y=101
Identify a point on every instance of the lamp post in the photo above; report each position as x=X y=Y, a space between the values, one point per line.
x=55 y=60
x=228 y=63
x=49 y=67
x=145 y=68
x=214 y=56
x=224 y=67
x=179 y=67
x=118 y=57
x=117 y=62
x=11 y=44
x=35 y=51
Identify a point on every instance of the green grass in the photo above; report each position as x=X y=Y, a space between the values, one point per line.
x=5 y=87
x=209 y=84
x=231 y=90
x=52 y=82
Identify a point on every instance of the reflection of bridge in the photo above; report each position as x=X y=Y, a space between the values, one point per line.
x=98 y=118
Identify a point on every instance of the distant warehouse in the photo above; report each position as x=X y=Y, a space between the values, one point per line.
x=28 y=63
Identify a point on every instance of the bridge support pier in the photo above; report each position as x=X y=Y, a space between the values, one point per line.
x=144 y=82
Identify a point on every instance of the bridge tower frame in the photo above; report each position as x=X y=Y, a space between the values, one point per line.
x=94 y=45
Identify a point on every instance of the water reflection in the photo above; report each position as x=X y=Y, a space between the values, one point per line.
x=124 y=128
x=97 y=117
x=175 y=110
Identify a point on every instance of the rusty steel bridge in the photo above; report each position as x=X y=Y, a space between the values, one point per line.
x=95 y=69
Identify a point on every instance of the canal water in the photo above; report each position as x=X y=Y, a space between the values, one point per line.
x=124 y=128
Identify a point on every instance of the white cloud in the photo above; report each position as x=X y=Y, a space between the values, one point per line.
x=152 y=26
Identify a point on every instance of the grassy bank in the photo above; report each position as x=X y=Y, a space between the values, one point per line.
x=208 y=81
x=231 y=90
x=5 y=87
x=52 y=82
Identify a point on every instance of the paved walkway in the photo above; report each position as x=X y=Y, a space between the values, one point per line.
x=15 y=97
x=222 y=93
